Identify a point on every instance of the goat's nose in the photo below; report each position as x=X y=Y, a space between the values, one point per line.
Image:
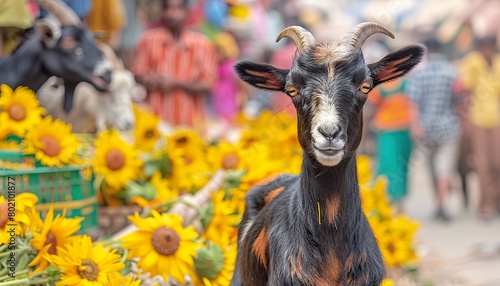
x=106 y=76
x=127 y=126
x=330 y=132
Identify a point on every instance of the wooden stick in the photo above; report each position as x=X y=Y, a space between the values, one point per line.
x=200 y=199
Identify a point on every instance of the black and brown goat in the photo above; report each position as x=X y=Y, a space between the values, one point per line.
x=310 y=229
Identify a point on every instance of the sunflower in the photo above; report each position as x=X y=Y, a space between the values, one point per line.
x=5 y=132
x=82 y=263
x=130 y=281
x=162 y=245
x=20 y=109
x=24 y=202
x=52 y=142
x=226 y=156
x=387 y=282
x=190 y=170
x=222 y=227
x=9 y=145
x=214 y=265
x=115 y=159
x=146 y=131
x=49 y=234
x=395 y=240
x=185 y=139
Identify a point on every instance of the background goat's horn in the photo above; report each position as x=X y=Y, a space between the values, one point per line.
x=59 y=9
x=300 y=36
x=362 y=31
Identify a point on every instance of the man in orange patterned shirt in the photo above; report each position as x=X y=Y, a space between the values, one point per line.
x=177 y=66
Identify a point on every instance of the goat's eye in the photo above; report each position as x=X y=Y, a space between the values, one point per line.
x=292 y=91
x=68 y=43
x=365 y=87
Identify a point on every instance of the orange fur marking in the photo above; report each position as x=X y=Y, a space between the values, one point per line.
x=268 y=180
x=389 y=70
x=332 y=267
x=363 y=257
x=295 y=268
x=272 y=194
x=271 y=81
x=332 y=207
x=349 y=262
x=260 y=247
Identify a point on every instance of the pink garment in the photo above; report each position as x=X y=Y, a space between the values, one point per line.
x=225 y=91
x=283 y=59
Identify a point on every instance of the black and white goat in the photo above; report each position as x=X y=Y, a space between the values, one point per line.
x=94 y=111
x=310 y=229
x=66 y=50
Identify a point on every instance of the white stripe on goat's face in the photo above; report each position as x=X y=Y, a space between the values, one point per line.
x=327 y=137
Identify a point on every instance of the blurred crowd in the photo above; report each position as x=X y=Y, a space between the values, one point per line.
x=183 y=52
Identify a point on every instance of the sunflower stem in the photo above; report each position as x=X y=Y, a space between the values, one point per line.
x=26 y=281
x=14 y=251
x=147 y=210
x=16 y=274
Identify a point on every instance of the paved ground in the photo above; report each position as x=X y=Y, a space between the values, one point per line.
x=465 y=251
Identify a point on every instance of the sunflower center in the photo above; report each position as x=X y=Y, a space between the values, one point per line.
x=230 y=161
x=51 y=239
x=17 y=112
x=165 y=240
x=52 y=147
x=115 y=159
x=149 y=134
x=4 y=214
x=181 y=140
x=88 y=270
x=391 y=248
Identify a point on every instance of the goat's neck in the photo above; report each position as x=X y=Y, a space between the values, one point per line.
x=24 y=67
x=330 y=195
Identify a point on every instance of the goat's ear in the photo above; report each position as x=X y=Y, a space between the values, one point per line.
x=396 y=64
x=262 y=75
x=47 y=31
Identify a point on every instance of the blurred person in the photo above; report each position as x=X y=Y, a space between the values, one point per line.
x=436 y=124
x=106 y=19
x=225 y=96
x=389 y=106
x=136 y=21
x=15 y=18
x=480 y=71
x=81 y=7
x=177 y=66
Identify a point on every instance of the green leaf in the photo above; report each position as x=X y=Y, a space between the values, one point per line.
x=165 y=165
x=206 y=214
x=150 y=168
x=233 y=180
x=210 y=261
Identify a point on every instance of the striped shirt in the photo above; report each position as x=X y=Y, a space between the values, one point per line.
x=191 y=59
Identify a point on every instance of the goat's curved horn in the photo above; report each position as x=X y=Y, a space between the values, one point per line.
x=363 y=31
x=300 y=36
x=59 y=9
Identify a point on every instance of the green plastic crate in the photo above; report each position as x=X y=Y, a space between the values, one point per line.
x=70 y=188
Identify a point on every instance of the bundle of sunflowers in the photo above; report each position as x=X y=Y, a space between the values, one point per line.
x=159 y=173
x=23 y=125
